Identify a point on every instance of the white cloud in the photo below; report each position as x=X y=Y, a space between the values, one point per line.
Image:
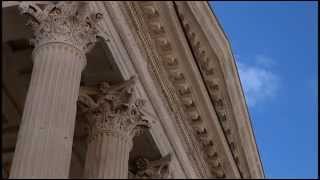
x=264 y=61
x=258 y=81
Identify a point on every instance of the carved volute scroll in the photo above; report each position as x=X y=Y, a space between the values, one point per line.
x=145 y=169
x=114 y=110
x=69 y=22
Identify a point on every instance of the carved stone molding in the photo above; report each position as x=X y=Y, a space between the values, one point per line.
x=181 y=88
x=214 y=80
x=145 y=169
x=165 y=66
x=68 y=22
x=114 y=110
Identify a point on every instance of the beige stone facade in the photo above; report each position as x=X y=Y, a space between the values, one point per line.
x=121 y=90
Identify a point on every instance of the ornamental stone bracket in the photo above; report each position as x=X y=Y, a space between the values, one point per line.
x=68 y=22
x=146 y=169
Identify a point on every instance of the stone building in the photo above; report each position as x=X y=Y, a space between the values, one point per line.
x=121 y=90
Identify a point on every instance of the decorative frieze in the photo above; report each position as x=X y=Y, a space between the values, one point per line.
x=178 y=79
x=171 y=62
x=184 y=90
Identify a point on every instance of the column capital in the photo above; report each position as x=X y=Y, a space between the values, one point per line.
x=68 y=22
x=145 y=169
x=114 y=110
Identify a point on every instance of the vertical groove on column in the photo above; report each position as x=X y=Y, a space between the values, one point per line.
x=110 y=158
x=96 y=155
x=124 y=159
x=29 y=112
x=63 y=85
x=45 y=122
x=128 y=146
x=94 y=158
x=106 y=155
x=112 y=152
x=49 y=115
x=107 y=158
x=68 y=108
x=99 y=152
x=103 y=157
x=119 y=158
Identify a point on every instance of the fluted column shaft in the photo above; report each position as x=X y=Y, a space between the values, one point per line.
x=108 y=157
x=63 y=33
x=115 y=116
x=44 y=142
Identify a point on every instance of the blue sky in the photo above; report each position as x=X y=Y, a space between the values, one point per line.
x=275 y=47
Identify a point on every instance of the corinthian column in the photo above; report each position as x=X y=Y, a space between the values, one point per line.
x=63 y=32
x=115 y=116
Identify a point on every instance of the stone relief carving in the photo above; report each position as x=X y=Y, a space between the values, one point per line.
x=114 y=110
x=145 y=169
x=70 y=22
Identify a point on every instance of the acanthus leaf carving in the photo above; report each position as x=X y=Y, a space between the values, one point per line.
x=114 y=110
x=68 y=22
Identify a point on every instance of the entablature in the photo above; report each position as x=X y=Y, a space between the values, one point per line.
x=197 y=75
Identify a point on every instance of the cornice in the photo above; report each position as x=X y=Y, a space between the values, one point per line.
x=214 y=80
x=205 y=137
x=137 y=10
x=213 y=54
